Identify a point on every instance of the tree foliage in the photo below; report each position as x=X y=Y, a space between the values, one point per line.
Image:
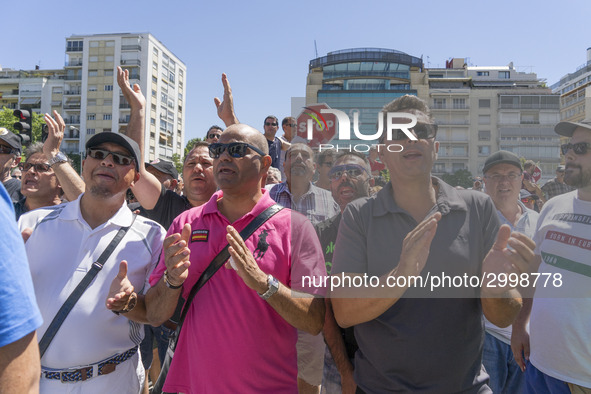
x=461 y=178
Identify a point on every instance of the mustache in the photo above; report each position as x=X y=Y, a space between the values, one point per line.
x=572 y=165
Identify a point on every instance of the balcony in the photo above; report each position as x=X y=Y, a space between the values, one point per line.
x=124 y=119
x=135 y=47
x=124 y=106
x=72 y=106
x=131 y=62
x=74 y=63
x=72 y=120
x=450 y=107
x=73 y=78
x=72 y=134
x=72 y=92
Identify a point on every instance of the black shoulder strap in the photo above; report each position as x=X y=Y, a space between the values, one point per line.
x=222 y=256
x=63 y=312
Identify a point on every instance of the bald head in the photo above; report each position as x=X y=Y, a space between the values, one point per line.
x=244 y=133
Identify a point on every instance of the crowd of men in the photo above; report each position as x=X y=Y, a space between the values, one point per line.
x=260 y=323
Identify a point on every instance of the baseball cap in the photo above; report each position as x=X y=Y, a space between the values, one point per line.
x=11 y=139
x=500 y=157
x=166 y=167
x=568 y=128
x=118 y=139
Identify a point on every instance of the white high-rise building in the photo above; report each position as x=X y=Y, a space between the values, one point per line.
x=91 y=101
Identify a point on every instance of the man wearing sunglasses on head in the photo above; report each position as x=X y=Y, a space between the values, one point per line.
x=558 y=350
x=95 y=350
x=244 y=319
x=412 y=339
x=213 y=134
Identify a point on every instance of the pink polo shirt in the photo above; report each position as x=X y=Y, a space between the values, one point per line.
x=233 y=341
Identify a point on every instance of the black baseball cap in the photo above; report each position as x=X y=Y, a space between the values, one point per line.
x=11 y=139
x=500 y=157
x=119 y=139
x=165 y=167
x=568 y=128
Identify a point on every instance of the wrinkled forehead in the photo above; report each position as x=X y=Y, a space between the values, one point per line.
x=581 y=135
x=302 y=149
x=198 y=152
x=36 y=158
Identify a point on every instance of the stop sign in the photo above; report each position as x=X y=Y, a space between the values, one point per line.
x=324 y=126
x=537 y=174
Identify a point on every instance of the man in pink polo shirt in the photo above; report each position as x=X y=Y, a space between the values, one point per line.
x=240 y=331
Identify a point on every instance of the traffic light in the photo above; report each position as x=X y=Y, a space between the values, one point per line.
x=24 y=125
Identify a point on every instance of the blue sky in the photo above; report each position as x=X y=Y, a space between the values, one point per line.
x=265 y=46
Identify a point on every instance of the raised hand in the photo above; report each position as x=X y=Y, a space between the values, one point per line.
x=176 y=256
x=133 y=95
x=55 y=134
x=226 y=108
x=120 y=290
x=416 y=245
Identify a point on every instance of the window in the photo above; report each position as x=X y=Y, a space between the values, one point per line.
x=459 y=103
x=108 y=88
x=154 y=79
x=484 y=150
x=107 y=130
x=439 y=167
x=91 y=117
x=484 y=103
x=92 y=88
x=109 y=58
x=155 y=51
x=108 y=102
x=484 y=135
x=107 y=117
x=483 y=119
x=93 y=73
x=74 y=46
x=153 y=93
x=152 y=121
x=504 y=74
x=109 y=73
x=439 y=103
x=482 y=73
x=459 y=151
x=110 y=44
x=90 y=131
x=93 y=58
x=91 y=102
x=155 y=65
x=457 y=166
x=94 y=44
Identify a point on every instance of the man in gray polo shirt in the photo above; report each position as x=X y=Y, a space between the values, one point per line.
x=412 y=339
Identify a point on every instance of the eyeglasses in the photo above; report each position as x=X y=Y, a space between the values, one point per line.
x=327 y=164
x=118 y=158
x=39 y=167
x=352 y=171
x=499 y=177
x=423 y=131
x=527 y=200
x=580 y=148
x=270 y=124
x=212 y=136
x=7 y=150
x=235 y=149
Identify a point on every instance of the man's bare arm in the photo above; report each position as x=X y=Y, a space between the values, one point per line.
x=19 y=366
x=147 y=189
x=226 y=108
x=69 y=180
x=336 y=345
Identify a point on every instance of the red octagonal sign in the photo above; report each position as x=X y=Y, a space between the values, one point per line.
x=324 y=126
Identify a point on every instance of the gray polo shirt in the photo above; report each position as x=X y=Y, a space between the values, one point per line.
x=425 y=345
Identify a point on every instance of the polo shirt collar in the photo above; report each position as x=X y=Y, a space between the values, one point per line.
x=72 y=211
x=211 y=207
x=448 y=199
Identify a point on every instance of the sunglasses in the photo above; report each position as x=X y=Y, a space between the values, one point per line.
x=118 y=158
x=423 y=131
x=580 y=148
x=527 y=200
x=270 y=124
x=212 y=136
x=352 y=171
x=235 y=149
x=7 y=150
x=39 y=167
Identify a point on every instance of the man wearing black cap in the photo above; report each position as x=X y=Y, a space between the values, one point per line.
x=165 y=172
x=555 y=187
x=66 y=241
x=558 y=350
x=502 y=178
x=10 y=156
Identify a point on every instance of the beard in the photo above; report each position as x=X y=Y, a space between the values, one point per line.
x=577 y=179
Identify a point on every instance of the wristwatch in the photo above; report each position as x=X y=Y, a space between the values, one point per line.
x=131 y=303
x=273 y=287
x=58 y=158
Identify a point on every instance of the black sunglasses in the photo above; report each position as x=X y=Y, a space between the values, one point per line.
x=7 y=150
x=235 y=149
x=212 y=135
x=352 y=171
x=39 y=167
x=580 y=148
x=423 y=131
x=118 y=158
x=270 y=124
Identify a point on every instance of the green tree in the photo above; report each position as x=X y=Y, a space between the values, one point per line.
x=7 y=119
x=461 y=178
x=176 y=160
